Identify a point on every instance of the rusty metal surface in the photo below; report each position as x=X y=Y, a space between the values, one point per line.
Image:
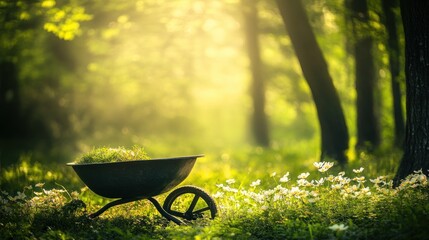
x=140 y=178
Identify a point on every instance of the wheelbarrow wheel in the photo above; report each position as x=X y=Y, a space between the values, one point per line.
x=190 y=203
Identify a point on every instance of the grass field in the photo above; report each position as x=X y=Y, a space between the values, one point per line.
x=260 y=193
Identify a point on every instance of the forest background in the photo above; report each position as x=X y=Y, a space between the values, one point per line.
x=77 y=75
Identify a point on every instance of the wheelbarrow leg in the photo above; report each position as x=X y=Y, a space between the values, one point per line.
x=163 y=212
x=127 y=200
x=112 y=204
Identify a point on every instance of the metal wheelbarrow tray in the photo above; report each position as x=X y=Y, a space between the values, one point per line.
x=144 y=179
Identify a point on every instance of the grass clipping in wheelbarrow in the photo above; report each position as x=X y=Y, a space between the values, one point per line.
x=108 y=154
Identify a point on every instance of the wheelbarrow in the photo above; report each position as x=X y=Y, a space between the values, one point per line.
x=129 y=181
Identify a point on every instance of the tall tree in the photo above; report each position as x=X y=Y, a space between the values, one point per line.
x=11 y=124
x=334 y=134
x=368 y=132
x=416 y=149
x=390 y=23
x=251 y=27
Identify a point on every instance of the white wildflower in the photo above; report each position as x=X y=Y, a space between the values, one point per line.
x=303 y=183
x=281 y=190
x=277 y=197
x=269 y=192
x=21 y=195
x=359 y=179
x=338 y=227
x=323 y=166
x=342 y=180
x=330 y=178
x=227 y=188
x=298 y=193
x=294 y=190
x=385 y=191
x=379 y=181
x=285 y=178
x=273 y=174
x=365 y=191
x=317 y=183
x=303 y=175
x=218 y=194
x=257 y=197
x=230 y=181
x=318 y=164
x=230 y=189
x=423 y=179
x=314 y=194
x=313 y=197
x=255 y=183
x=414 y=180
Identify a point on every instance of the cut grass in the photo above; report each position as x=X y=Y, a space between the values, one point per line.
x=107 y=154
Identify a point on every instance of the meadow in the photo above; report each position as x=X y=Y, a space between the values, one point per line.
x=260 y=193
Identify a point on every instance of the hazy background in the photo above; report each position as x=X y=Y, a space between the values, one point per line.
x=172 y=76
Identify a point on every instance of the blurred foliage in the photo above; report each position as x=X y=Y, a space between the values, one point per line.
x=161 y=72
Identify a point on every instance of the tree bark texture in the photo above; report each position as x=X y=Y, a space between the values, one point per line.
x=368 y=131
x=415 y=19
x=259 y=118
x=394 y=65
x=315 y=69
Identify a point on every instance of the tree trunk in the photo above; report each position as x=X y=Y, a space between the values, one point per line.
x=11 y=124
x=259 y=118
x=415 y=19
x=394 y=53
x=315 y=69
x=368 y=131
